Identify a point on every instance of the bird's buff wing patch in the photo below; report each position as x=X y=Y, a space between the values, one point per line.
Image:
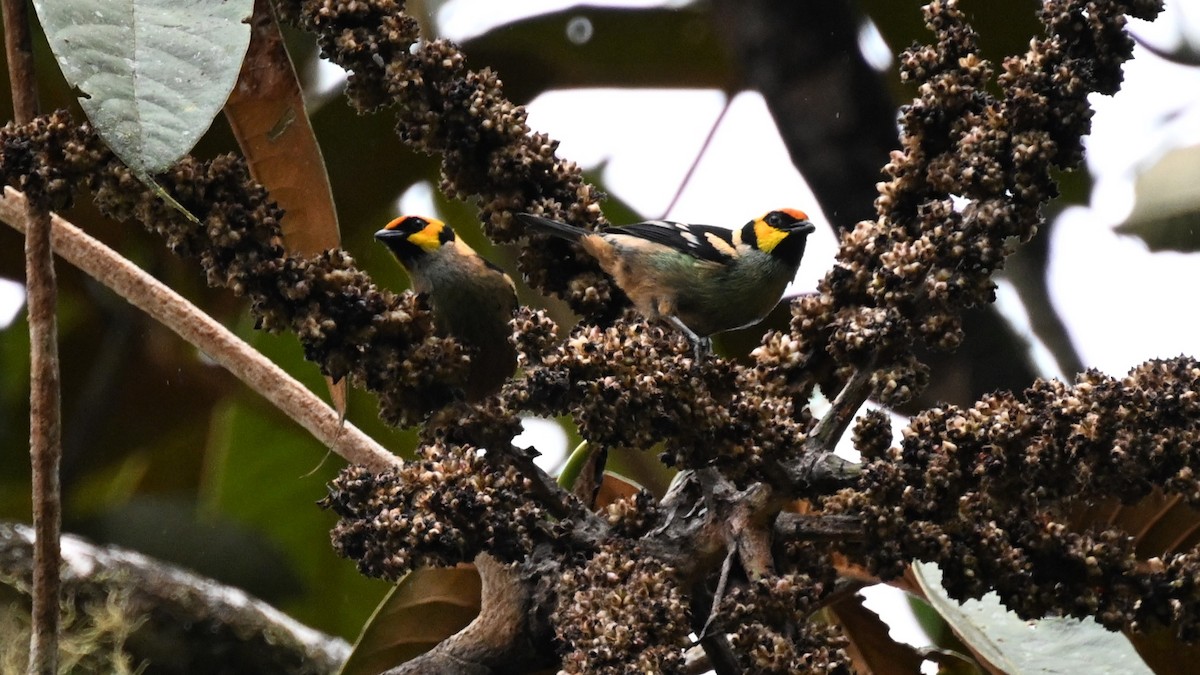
x=704 y=242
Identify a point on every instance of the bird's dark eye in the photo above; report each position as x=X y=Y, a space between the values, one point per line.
x=412 y=225
x=775 y=219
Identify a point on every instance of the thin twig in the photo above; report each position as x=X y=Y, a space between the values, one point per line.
x=209 y=336
x=20 y=61
x=45 y=414
x=818 y=465
x=687 y=177
x=719 y=594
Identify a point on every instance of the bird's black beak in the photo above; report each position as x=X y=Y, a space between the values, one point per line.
x=386 y=234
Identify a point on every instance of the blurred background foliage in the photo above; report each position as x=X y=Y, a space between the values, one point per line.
x=168 y=454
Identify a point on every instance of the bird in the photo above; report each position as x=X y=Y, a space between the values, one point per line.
x=702 y=279
x=472 y=299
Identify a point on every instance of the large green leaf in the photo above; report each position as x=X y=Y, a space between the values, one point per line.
x=150 y=74
x=263 y=471
x=1052 y=645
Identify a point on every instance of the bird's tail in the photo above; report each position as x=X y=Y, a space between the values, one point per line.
x=552 y=227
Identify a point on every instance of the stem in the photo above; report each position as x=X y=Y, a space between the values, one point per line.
x=841 y=412
x=45 y=413
x=19 y=52
x=574 y=465
x=818 y=465
x=209 y=336
x=45 y=440
x=560 y=503
x=720 y=654
x=687 y=177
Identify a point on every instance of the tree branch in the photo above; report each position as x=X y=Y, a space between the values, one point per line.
x=818 y=465
x=18 y=50
x=189 y=621
x=498 y=639
x=45 y=413
x=819 y=527
x=209 y=336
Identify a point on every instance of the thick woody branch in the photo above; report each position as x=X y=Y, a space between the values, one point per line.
x=819 y=527
x=184 y=619
x=209 y=336
x=498 y=639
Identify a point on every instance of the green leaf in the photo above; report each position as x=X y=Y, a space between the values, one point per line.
x=215 y=547
x=263 y=471
x=150 y=74
x=573 y=465
x=1015 y=646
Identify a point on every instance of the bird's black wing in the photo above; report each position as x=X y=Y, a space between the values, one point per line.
x=704 y=242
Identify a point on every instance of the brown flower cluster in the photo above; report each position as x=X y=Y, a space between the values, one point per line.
x=770 y=629
x=348 y=326
x=487 y=148
x=441 y=509
x=986 y=493
x=621 y=612
x=634 y=516
x=968 y=181
x=46 y=160
x=714 y=414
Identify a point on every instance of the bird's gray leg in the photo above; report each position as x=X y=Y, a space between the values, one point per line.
x=701 y=346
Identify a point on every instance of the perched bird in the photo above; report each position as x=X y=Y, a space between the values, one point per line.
x=701 y=278
x=472 y=299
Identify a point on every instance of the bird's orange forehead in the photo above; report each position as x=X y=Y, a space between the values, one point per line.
x=795 y=213
x=411 y=223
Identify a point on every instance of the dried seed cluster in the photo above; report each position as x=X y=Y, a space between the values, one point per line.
x=441 y=509
x=533 y=332
x=621 y=612
x=644 y=376
x=873 y=434
x=487 y=148
x=634 y=516
x=906 y=277
x=986 y=492
x=45 y=159
x=770 y=629
x=348 y=326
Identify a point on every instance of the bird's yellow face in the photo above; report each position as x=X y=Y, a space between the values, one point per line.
x=772 y=228
x=426 y=233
